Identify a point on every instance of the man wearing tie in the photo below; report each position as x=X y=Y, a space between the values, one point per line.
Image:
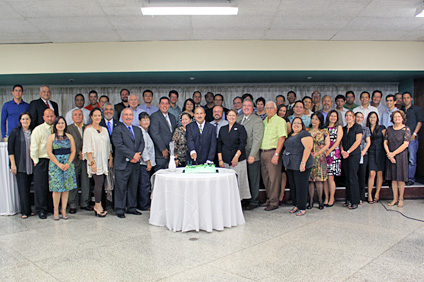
x=37 y=107
x=129 y=145
x=109 y=122
x=162 y=126
x=255 y=130
x=201 y=139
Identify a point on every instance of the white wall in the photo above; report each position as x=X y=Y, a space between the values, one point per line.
x=211 y=55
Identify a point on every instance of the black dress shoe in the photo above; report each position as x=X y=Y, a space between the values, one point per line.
x=310 y=206
x=72 y=211
x=134 y=212
x=271 y=208
x=42 y=215
x=410 y=183
x=87 y=208
x=321 y=206
x=121 y=215
x=250 y=207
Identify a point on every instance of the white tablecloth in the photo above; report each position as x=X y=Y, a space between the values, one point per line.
x=9 y=198
x=207 y=201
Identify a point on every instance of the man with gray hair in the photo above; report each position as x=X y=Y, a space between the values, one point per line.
x=275 y=133
x=37 y=107
x=255 y=129
x=326 y=106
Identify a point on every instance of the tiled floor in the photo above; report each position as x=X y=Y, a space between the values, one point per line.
x=336 y=244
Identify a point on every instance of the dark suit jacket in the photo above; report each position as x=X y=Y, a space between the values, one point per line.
x=160 y=133
x=14 y=146
x=115 y=123
x=73 y=130
x=36 y=110
x=125 y=145
x=204 y=144
x=230 y=142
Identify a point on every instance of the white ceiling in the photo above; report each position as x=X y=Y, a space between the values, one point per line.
x=58 y=21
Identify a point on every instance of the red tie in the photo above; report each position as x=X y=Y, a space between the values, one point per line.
x=47 y=103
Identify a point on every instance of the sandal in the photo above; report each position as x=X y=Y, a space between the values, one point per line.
x=64 y=215
x=56 y=217
x=301 y=212
x=353 y=207
x=295 y=209
x=370 y=202
x=24 y=216
x=400 y=205
x=394 y=202
x=376 y=200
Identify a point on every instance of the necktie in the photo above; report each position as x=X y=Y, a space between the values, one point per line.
x=216 y=130
x=169 y=122
x=109 y=127
x=200 y=128
x=47 y=104
x=314 y=108
x=132 y=132
x=244 y=119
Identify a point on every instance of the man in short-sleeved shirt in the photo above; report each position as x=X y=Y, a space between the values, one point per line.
x=365 y=107
x=414 y=120
x=275 y=133
x=12 y=110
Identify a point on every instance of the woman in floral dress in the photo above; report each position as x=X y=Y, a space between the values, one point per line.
x=334 y=157
x=319 y=170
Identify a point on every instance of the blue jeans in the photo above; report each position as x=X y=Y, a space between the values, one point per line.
x=412 y=150
x=144 y=189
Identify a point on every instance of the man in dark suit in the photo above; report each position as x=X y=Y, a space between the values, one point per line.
x=201 y=139
x=129 y=145
x=37 y=107
x=162 y=126
x=109 y=121
x=76 y=129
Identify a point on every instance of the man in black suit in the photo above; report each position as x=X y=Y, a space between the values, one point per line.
x=109 y=121
x=129 y=145
x=201 y=139
x=162 y=126
x=37 y=107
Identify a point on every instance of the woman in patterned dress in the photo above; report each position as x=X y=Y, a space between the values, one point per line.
x=319 y=171
x=188 y=107
x=260 y=107
x=61 y=152
x=180 y=142
x=334 y=157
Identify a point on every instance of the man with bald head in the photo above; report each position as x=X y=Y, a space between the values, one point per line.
x=43 y=199
x=37 y=107
x=201 y=139
x=136 y=109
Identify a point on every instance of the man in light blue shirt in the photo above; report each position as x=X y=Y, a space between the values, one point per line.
x=218 y=121
x=147 y=106
x=391 y=108
x=133 y=103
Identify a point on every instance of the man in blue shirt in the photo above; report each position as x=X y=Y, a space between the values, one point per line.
x=147 y=106
x=12 y=109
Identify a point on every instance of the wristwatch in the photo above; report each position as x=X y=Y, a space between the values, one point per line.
x=415 y=134
x=275 y=154
x=90 y=164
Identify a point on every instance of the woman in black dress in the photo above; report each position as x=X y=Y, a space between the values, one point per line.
x=21 y=163
x=396 y=143
x=351 y=153
x=298 y=162
x=376 y=156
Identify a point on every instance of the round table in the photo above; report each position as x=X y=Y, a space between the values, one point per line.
x=196 y=201
x=9 y=197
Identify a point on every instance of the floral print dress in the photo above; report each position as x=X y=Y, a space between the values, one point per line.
x=319 y=170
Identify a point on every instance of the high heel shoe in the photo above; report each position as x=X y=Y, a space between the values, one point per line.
x=100 y=214
x=321 y=206
x=310 y=205
x=64 y=215
x=56 y=217
x=376 y=200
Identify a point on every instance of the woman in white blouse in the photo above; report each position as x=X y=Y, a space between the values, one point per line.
x=97 y=151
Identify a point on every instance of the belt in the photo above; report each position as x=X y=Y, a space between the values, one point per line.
x=268 y=150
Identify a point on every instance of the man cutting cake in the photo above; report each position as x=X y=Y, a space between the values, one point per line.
x=201 y=139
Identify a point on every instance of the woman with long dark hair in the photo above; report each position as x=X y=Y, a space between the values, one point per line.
x=180 y=142
x=363 y=163
x=21 y=164
x=334 y=157
x=97 y=150
x=376 y=156
x=188 y=107
x=319 y=170
x=62 y=179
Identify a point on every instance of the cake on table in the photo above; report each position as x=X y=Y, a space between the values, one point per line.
x=204 y=168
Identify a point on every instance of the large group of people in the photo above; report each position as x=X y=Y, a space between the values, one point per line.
x=303 y=144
